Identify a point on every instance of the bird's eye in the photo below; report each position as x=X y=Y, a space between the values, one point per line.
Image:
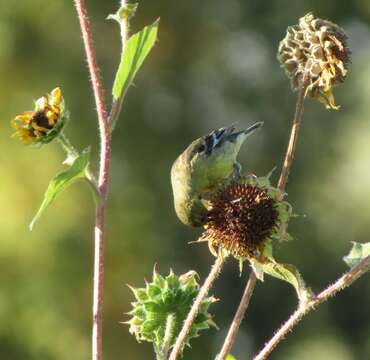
x=201 y=148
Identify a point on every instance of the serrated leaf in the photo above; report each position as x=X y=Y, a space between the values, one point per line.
x=357 y=254
x=137 y=48
x=61 y=181
x=290 y=274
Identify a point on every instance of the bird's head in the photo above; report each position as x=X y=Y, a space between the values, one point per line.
x=211 y=158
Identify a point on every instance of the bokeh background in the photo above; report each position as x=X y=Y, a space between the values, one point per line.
x=214 y=65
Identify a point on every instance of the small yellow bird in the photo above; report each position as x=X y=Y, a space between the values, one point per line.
x=205 y=166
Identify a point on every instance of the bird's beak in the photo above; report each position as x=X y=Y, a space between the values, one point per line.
x=240 y=136
x=252 y=128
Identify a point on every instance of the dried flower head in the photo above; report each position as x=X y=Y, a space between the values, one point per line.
x=315 y=50
x=44 y=123
x=173 y=297
x=243 y=216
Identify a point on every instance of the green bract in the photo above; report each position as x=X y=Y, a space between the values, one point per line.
x=171 y=296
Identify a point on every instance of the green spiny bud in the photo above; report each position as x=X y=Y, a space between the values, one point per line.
x=163 y=299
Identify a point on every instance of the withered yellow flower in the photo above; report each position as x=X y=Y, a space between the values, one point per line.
x=44 y=123
x=316 y=50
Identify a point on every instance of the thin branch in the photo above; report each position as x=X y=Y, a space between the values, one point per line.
x=304 y=308
x=72 y=155
x=283 y=179
x=289 y=156
x=239 y=315
x=105 y=151
x=92 y=63
x=203 y=292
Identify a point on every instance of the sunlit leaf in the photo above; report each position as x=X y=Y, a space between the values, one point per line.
x=230 y=357
x=62 y=181
x=285 y=272
x=357 y=254
x=137 y=48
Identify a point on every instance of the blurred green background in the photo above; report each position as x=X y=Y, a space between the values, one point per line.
x=214 y=65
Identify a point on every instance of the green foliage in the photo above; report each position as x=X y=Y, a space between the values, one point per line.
x=136 y=50
x=163 y=297
x=285 y=272
x=230 y=357
x=62 y=181
x=358 y=253
x=290 y=274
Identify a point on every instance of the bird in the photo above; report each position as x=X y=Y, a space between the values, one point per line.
x=203 y=168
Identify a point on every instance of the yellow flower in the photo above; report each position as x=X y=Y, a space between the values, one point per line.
x=44 y=123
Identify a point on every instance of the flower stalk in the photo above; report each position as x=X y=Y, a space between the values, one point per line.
x=168 y=336
x=289 y=156
x=304 y=308
x=204 y=290
x=239 y=315
x=102 y=184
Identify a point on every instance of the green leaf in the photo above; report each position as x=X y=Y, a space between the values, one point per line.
x=290 y=274
x=137 y=48
x=62 y=181
x=230 y=357
x=357 y=254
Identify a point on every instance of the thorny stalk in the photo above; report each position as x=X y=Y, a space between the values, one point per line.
x=304 y=308
x=234 y=327
x=289 y=156
x=168 y=335
x=102 y=183
x=203 y=292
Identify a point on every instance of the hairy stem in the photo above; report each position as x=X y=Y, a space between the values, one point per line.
x=72 y=154
x=117 y=103
x=304 y=308
x=283 y=179
x=289 y=156
x=239 y=315
x=203 y=292
x=168 y=336
x=67 y=146
x=105 y=150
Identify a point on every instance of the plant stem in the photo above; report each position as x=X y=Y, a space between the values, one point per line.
x=239 y=315
x=304 y=308
x=67 y=146
x=289 y=156
x=72 y=154
x=203 y=292
x=283 y=179
x=168 y=335
x=105 y=151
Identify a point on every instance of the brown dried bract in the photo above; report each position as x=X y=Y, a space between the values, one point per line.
x=315 y=50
